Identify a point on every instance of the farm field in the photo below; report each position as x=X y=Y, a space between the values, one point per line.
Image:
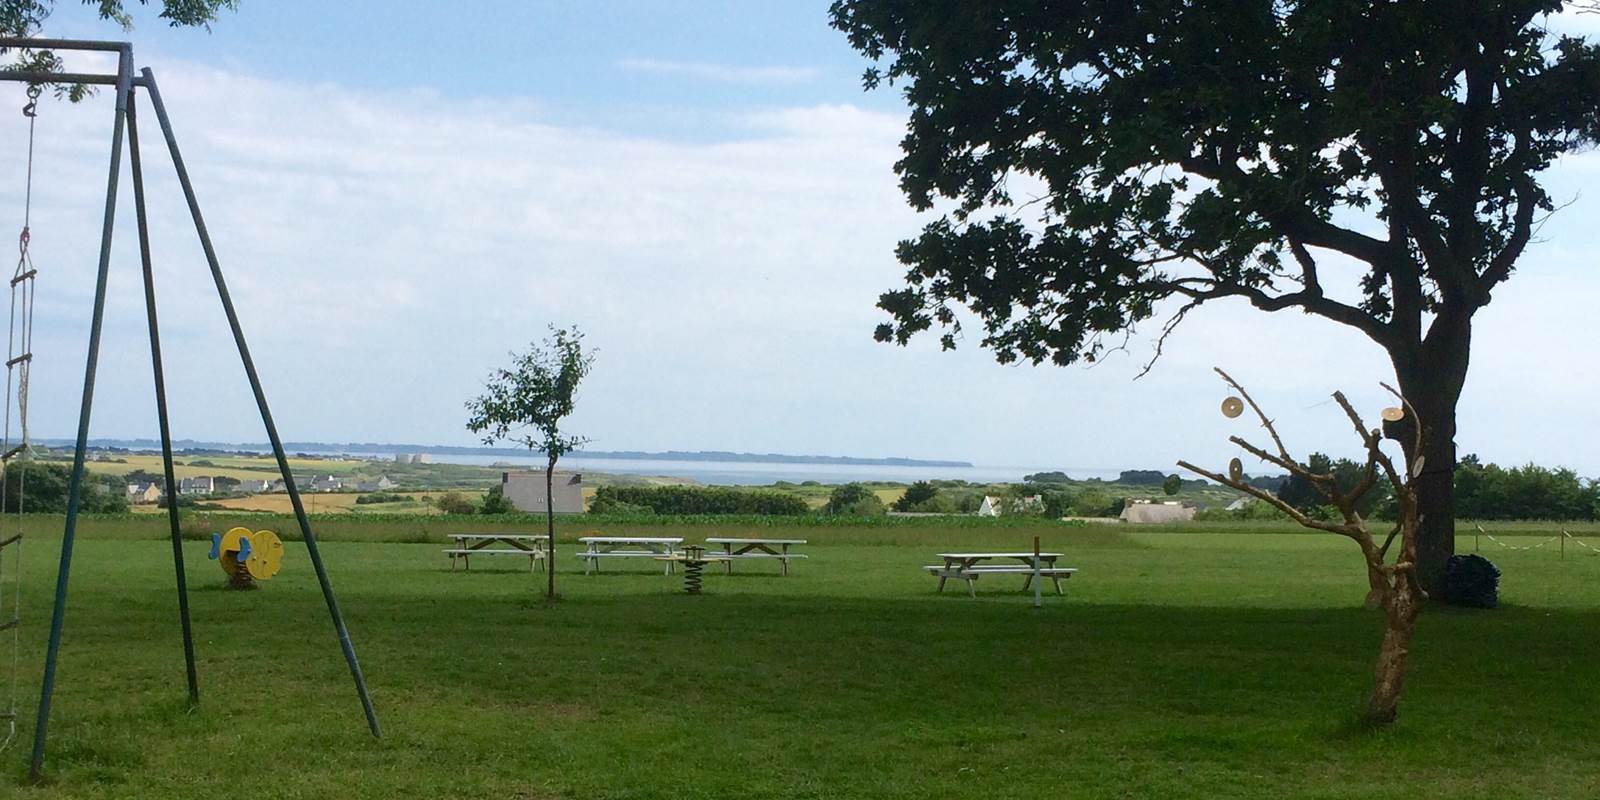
x=1177 y=665
x=331 y=503
x=240 y=467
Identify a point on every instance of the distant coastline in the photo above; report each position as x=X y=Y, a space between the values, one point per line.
x=355 y=448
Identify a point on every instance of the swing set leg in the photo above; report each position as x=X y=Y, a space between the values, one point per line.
x=75 y=486
x=161 y=399
x=345 y=645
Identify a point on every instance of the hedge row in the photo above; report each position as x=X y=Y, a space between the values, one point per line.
x=699 y=500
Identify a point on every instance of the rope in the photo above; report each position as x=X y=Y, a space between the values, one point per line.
x=1563 y=534
x=19 y=360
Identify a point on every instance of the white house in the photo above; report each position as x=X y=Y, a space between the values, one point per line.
x=143 y=493
x=995 y=506
x=525 y=491
x=1240 y=504
x=200 y=485
x=380 y=485
x=326 y=483
x=252 y=485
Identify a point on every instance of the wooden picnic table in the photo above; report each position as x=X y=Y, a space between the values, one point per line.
x=757 y=548
x=598 y=547
x=969 y=566
x=468 y=545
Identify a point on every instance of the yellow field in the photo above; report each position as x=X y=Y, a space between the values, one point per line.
x=332 y=503
x=241 y=468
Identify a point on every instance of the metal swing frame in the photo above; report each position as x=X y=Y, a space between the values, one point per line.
x=126 y=123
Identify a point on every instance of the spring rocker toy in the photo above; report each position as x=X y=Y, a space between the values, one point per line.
x=247 y=557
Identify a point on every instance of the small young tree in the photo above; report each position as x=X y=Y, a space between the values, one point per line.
x=1394 y=586
x=526 y=404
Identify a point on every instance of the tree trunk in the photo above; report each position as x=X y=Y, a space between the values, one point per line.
x=1431 y=378
x=550 y=528
x=1390 y=673
x=1436 y=502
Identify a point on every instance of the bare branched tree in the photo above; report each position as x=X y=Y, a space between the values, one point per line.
x=1394 y=587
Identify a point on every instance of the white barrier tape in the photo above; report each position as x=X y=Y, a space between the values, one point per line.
x=1529 y=547
x=1580 y=542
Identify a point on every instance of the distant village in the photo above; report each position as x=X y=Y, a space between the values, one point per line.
x=150 y=492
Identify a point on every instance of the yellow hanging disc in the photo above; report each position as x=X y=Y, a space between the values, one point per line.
x=266 y=555
x=1394 y=414
x=1236 y=469
x=1232 y=407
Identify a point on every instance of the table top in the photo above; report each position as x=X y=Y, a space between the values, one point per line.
x=687 y=557
x=527 y=537
x=1028 y=554
x=719 y=540
x=632 y=539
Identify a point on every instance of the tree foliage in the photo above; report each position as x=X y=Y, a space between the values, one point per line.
x=1488 y=491
x=494 y=501
x=526 y=402
x=1306 y=495
x=1212 y=150
x=698 y=500
x=27 y=17
x=856 y=500
x=454 y=503
x=918 y=495
x=42 y=488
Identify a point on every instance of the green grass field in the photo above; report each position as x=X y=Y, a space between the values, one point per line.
x=1207 y=665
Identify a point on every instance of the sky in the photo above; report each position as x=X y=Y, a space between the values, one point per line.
x=401 y=193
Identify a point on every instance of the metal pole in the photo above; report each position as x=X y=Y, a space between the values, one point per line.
x=25 y=42
x=59 y=78
x=261 y=401
x=1037 y=576
x=161 y=397
x=75 y=488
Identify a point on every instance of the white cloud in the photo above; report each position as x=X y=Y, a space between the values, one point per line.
x=386 y=249
x=723 y=73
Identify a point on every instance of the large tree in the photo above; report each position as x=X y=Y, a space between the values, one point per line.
x=1372 y=163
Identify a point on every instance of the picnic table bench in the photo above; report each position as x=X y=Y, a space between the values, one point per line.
x=970 y=566
x=468 y=545
x=598 y=547
x=757 y=548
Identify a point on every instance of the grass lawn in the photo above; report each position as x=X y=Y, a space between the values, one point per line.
x=1206 y=665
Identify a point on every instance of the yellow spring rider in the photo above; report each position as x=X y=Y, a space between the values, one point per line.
x=247 y=557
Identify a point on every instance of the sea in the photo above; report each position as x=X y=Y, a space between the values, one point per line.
x=757 y=473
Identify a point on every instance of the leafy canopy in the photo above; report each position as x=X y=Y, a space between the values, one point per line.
x=26 y=17
x=527 y=402
x=1095 y=158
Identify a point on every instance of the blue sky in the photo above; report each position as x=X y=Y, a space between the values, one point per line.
x=403 y=192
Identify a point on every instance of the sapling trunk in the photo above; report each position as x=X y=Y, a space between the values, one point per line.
x=1396 y=587
x=550 y=528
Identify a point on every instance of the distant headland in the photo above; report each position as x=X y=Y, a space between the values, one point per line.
x=374 y=448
